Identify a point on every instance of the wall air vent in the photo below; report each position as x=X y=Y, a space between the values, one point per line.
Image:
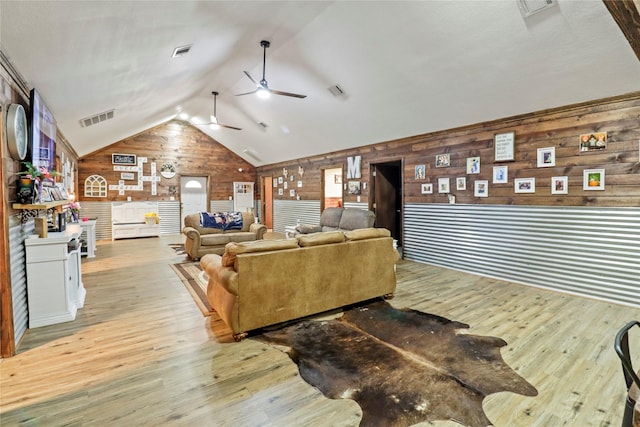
x=181 y=51
x=98 y=118
x=529 y=7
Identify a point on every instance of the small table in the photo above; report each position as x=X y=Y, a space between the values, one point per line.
x=290 y=231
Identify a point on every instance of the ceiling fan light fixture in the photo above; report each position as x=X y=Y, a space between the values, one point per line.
x=263 y=93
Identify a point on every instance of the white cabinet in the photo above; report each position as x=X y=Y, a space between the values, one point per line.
x=128 y=220
x=89 y=236
x=54 y=277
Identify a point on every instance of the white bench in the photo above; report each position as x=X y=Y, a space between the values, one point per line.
x=128 y=220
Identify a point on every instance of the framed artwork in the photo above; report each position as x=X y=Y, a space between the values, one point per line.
x=299 y=184
x=503 y=146
x=280 y=192
x=443 y=160
x=473 y=165
x=337 y=179
x=285 y=185
x=292 y=193
x=461 y=183
x=559 y=185
x=275 y=183
x=524 y=185
x=593 y=179
x=123 y=159
x=46 y=194
x=280 y=180
x=427 y=188
x=481 y=188
x=420 y=172
x=546 y=157
x=292 y=177
x=593 y=141
x=354 y=188
x=62 y=190
x=443 y=185
x=500 y=174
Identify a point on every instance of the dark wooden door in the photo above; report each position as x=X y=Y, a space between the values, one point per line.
x=387 y=195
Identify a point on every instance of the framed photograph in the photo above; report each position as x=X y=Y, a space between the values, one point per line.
x=354 y=188
x=481 y=188
x=593 y=179
x=55 y=194
x=46 y=194
x=280 y=192
x=337 y=179
x=593 y=141
x=299 y=184
x=292 y=177
x=503 y=146
x=559 y=185
x=443 y=160
x=427 y=188
x=546 y=157
x=280 y=180
x=292 y=193
x=275 y=183
x=443 y=185
x=461 y=183
x=473 y=165
x=62 y=190
x=421 y=172
x=524 y=185
x=500 y=174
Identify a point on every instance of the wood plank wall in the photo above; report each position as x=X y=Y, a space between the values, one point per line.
x=176 y=142
x=559 y=128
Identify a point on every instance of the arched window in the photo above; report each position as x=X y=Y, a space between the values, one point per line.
x=95 y=186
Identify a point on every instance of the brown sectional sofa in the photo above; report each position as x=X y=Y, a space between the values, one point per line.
x=257 y=284
x=200 y=241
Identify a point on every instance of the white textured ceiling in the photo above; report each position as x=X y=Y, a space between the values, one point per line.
x=407 y=67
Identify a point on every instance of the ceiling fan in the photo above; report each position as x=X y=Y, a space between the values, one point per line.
x=214 y=118
x=262 y=88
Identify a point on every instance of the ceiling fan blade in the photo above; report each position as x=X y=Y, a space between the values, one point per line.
x=294 y=95
x=251 y=78
x=229 y=127
x=247 y=93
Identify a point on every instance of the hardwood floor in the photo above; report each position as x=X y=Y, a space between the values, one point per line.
x=141 y=353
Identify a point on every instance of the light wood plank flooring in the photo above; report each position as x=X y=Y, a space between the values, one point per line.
x=141 y=353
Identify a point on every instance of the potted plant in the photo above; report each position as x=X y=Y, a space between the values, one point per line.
x=33 y=177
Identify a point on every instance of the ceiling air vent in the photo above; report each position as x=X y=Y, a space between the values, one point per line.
x=337 y=91
x=98 y=118
x=529 y=7
x=249 y=152
x=181 y=51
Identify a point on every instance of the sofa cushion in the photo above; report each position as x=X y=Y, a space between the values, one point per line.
x=323 y=238
x=366 y=233
x=353 y=219
x=330 y=217
x=214 y=239
x=232 y=249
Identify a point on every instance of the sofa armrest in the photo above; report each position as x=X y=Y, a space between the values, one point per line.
x=259 y=229
x=191 y=233
x=222 y=276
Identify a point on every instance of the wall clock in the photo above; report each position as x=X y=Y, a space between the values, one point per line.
x=17 y=131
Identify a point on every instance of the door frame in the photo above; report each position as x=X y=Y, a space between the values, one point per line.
x=372 y=188
x=322 y=173
x=266 y=203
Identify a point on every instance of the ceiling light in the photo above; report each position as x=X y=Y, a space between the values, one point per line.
x=263 y=93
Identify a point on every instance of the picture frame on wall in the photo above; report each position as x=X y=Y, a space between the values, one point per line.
x=461 y=183
x=354 y=188
x=62 y=190
x=503 y=147
x=443 y=160
x=426 y=188
x=280 y=192
x=444 y=185
x=559 y=185
x=481 y=188
x=524 y=185
x=593 y=141
x=420 y=172
x=546 y=157
x=500 y=174
x=473 y=165
x=593 y=179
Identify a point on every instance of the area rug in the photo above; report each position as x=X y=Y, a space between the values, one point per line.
x=401 y=366
x=191 y=275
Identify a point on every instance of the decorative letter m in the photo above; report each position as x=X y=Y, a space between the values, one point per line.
x=353 y=167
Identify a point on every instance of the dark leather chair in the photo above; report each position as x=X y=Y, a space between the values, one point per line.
x=621 y=346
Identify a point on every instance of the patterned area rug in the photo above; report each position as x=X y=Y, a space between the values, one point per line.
x=195 y=281
x=401 y=366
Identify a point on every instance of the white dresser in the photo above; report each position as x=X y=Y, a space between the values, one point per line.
x=54 y=277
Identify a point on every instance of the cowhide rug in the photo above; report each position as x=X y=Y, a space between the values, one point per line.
x=401 y=366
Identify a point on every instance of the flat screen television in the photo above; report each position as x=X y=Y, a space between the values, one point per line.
x=42 y=135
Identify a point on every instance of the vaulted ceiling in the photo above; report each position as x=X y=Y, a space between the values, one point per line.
x=405 y=68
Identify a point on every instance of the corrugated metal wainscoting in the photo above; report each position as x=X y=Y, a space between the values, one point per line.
x=18 y=264
x=169 y=213
x=355 y=205
x=288 y=212
x=102 y=212
x=593 y=252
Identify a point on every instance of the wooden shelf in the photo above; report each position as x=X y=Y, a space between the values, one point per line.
x=41 y=206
